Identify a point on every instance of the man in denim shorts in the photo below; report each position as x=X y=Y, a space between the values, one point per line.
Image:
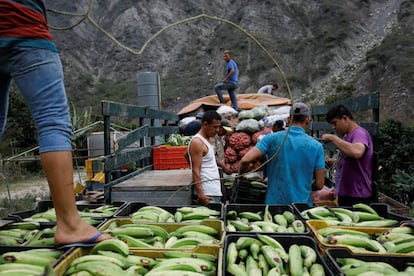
x=29 y=57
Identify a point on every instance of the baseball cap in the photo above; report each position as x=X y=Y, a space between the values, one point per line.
x=301 y=109
x=225 y=124
x=192 y=128
x=200 y=115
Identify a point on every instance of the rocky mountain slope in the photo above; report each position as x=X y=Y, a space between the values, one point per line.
x=323 y=49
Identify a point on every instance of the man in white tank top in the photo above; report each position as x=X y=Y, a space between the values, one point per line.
x=201 y=157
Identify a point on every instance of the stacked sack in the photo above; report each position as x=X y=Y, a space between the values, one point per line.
x=252 y=125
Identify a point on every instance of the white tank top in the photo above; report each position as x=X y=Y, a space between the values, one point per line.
x=209 y=174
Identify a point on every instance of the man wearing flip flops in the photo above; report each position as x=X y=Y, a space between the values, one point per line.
x=29 y=57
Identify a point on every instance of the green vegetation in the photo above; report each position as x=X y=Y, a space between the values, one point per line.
x=404 y=185
x=18 y=183
x=396 y=158
x=20 y=133
x=343 y=91
x=27 y=202
x=89 y=92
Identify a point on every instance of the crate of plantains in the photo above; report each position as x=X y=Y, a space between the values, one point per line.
x=166 y=236
x=44 y=212
x=28 y=234
x=272 y=254
x=141 y=211
x=362 y=215
x=344 y=262
x=398 y=241
x=263 y=218
x=245 y=192
x=113 y=257
x=30 y=260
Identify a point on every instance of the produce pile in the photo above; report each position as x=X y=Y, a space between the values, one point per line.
x=241 y=239
x=93 y=215
x=263 y=221
x=114 y=257
x=182 y=214
x=30 y=262
x=264 y=255
x=178 y=140
x=398 y=240
x=253 y=124
x=354 y=266
x=155 y=236
x=361 y=215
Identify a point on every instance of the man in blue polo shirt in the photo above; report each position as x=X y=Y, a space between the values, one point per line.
x=299 y=160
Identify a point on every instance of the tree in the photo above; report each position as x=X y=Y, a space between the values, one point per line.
x=20 y=133
x=396 y=159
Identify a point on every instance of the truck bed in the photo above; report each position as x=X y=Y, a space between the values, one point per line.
x=156 y=187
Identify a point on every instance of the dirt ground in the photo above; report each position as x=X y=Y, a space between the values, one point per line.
x=36 y=185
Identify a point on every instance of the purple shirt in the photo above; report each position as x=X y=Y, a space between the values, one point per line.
x=353 y=176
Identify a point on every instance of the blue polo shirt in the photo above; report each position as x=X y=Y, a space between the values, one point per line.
x=290 y=173
x=235 y=77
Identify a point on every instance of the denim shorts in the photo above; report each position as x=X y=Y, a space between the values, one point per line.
x=38 y=75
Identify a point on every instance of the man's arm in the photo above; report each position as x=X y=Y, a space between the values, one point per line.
x=229 y=74
x=319 y=179
x=252 y=155
x=353 y=150
x=186 y=157
x=223 y=166
x=197 y=152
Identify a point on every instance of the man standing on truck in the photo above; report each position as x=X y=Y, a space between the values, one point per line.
x=202 y=160
x=353 y=176
x=294 y=160
x=29 y=57
x=229 y=82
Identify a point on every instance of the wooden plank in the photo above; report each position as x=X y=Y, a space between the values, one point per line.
x=163 y=115
x=321 y=126
x=163 y=130
x=108 y=186
x=121 y=158
x=365 y=102
x=130 y=138
x=126 y=110
x=162 y=187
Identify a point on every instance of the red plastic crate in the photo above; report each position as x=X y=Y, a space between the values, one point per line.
x=169 y=158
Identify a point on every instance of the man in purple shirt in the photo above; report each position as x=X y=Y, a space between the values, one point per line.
x=354 y=164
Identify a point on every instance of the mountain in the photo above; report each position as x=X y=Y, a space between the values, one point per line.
x=321 y=49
